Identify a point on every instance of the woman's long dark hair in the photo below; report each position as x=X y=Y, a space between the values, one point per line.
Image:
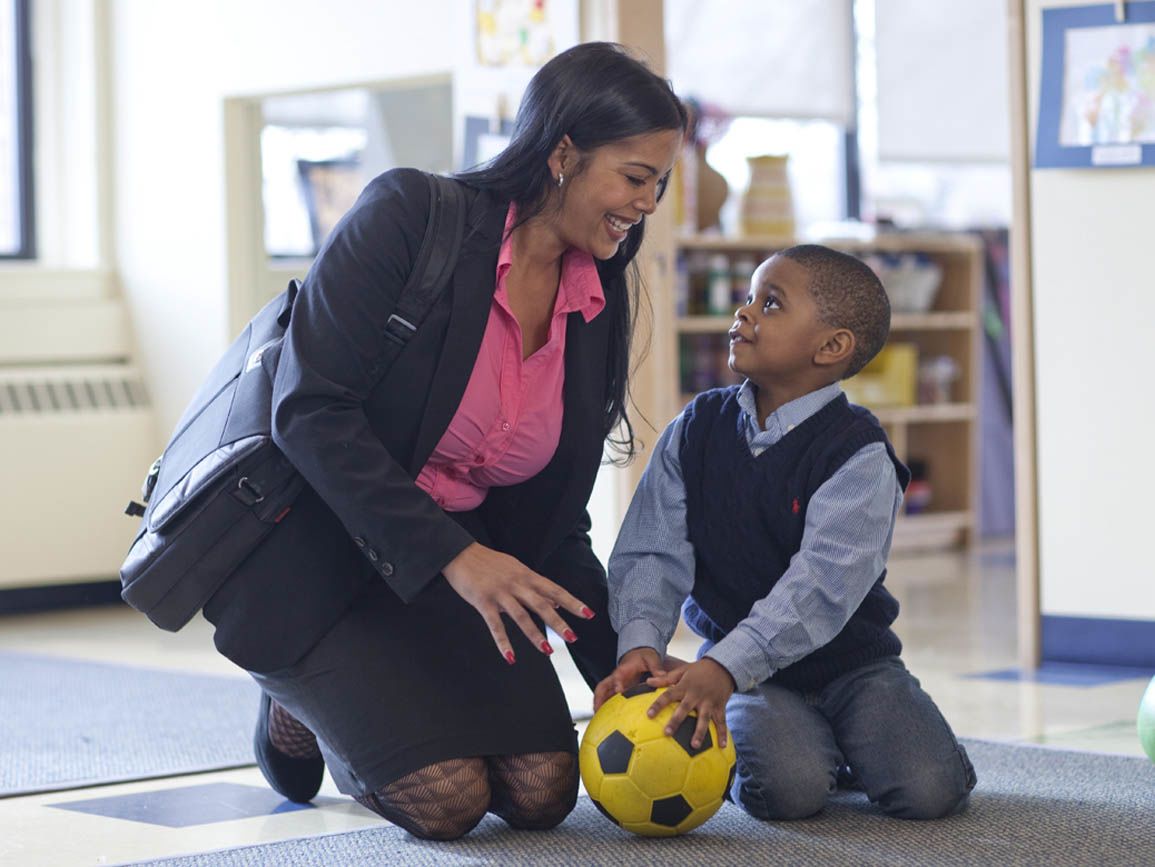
x=596 y=94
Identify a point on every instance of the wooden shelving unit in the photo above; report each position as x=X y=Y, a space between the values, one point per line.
x=942 y=436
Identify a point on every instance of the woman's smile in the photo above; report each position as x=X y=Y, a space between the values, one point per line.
x=619 y=228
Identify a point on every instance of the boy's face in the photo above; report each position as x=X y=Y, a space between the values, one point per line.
x=777 y=333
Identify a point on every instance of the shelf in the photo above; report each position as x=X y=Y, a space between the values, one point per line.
x=942 y=438
x=952 y=320
x=931 y=412
x=744 y=244
x=704 y=324
x=929 y=531
x=896 y=242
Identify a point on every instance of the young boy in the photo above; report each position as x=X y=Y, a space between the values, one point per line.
x=768 y=510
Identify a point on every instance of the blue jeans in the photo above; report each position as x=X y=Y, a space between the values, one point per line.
x=876 y=719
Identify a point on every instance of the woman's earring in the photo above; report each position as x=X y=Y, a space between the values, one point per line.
x=560 y=179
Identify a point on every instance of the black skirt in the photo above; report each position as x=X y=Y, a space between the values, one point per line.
x=394 y=687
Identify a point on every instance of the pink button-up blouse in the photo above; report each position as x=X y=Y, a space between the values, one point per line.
x=508 y=424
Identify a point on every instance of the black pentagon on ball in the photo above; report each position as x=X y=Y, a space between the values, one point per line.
x=730 y=780
x=614 y=753
x=686 y=731
x=605 y=812
x=670 y=811
x=640 y=689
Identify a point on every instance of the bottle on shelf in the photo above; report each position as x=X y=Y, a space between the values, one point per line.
x=719 y=293
x=936 y=377
x=697 y=270
x=744 y=267
x=918 y=493
x=705 y=374
x=682 y=286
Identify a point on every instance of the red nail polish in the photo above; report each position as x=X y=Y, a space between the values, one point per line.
x=587 y=613
x=545 y=648
x=509 y=657
x=569 y=636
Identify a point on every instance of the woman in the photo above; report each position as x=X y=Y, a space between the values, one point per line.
x=447 y=502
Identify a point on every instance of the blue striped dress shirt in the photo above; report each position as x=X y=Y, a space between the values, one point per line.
x=845 y=543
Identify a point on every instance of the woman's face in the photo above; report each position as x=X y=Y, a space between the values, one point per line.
x=620 y=183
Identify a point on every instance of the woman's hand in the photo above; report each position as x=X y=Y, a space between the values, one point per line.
x=496 y=584
x=630 y=669
x=703 y=686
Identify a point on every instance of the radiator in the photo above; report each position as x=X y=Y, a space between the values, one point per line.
x=75 y=444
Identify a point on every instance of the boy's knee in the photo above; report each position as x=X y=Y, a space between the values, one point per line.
x=789 y=799
x=932 y=796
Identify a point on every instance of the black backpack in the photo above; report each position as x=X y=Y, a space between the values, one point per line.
x=221 y=484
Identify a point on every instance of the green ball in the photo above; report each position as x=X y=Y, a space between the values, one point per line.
x=1146 y=721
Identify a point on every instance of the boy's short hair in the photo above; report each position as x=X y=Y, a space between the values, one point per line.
x=848 y=295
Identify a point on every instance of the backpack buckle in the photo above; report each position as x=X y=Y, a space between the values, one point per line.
x=247 y=492
x=399 y=330
x=149 y=483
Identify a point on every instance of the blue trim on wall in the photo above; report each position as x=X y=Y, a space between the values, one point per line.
x=1100 y=640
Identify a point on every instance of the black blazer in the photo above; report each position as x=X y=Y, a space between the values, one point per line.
x=360 y=440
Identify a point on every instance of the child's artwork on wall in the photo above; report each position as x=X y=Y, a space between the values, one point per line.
x=501 y=44
x=515 y=32
x=1097 y=99
x=1109 y=91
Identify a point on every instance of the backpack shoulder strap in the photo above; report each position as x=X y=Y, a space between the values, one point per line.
x=431 y=272
x=434 y=266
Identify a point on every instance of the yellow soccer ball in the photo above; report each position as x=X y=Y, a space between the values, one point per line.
x=646 y=781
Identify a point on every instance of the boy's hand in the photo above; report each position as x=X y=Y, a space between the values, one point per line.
x=675 y=668
x=630 y=669
x=704 y=686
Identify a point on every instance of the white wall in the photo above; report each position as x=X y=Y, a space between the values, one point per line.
x=1094 y=302
x=174 y=64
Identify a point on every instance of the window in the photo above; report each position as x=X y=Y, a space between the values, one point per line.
x=16 y=225
x=319 y=149
x=961 y=182
x=787 y=93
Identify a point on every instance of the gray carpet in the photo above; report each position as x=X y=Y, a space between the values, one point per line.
x=67 y=723
x=1033 y=806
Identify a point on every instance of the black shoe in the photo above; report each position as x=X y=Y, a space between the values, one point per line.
x=298 y=780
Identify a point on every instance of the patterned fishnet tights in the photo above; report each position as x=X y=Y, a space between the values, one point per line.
x=446 y=800
x=291 y=736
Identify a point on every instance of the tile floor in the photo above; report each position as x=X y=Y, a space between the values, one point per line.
x=957 y=622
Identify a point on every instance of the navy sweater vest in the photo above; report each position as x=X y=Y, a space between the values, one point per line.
x=746 y=514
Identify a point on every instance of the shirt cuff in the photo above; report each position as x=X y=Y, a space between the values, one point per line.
x=639 y=633
x=743 y=657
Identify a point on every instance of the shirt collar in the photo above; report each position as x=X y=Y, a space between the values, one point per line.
x=580 y=288
x=789 y=415
x=505 y=256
